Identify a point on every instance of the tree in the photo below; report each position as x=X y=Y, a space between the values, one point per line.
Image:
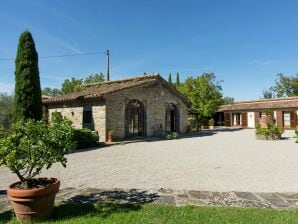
x=47 y=91
x=285 y=86
x=94 y=78
x=204 y=92
x=177 y=80
x=228 y=100
x=27 y=99
x=6 y=105
x=71 y=85
x=170 y=79
x=267 y=94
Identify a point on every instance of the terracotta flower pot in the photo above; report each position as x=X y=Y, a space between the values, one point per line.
x=110 y=138
x=33 y=203
x=265 y=120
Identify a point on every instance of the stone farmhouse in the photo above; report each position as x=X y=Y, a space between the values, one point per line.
x=246 y=114
x=140 y=106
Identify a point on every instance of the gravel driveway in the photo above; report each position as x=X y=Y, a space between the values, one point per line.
x=218 y=161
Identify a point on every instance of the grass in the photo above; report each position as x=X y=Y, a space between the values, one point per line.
x=161 y=214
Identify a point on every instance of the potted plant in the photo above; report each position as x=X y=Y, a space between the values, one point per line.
x=30 y=147
x=211 y=123
x=110 y=136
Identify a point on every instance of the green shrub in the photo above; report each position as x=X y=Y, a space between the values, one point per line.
x=85 y=138
x=169 y=135
x=211 y=122
x=3 y=133
x=296 y=135
x=34 y=145
x=272 y=131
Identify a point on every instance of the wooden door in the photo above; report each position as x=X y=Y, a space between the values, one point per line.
x=228 y=119
x=244 y=119
x=293 y=119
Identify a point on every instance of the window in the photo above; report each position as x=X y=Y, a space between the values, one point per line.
x=287 y=119
x=87 y=117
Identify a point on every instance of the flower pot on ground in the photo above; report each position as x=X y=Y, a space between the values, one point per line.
x=266 y=119
x=37 y=203
x=271 y=132
x=30 y=147
x=211 y=123
x=110 y=136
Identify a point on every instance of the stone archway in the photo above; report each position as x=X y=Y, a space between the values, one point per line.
x=135 y=119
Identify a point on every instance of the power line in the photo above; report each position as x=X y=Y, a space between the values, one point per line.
x=60 y=56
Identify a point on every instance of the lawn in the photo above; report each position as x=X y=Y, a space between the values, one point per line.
x=130 y=214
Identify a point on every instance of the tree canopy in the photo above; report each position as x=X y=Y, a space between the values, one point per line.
x=177 y=79
x=204 y=92
x=228 y=100
x=94 y=78
x=72 y=85
x=170 y=79
x=47 y=91
x=6 y=105
x=285 y=86
x=267 y=94
x=27 y=99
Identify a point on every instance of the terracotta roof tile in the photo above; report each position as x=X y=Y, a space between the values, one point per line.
x=289 y=102
x=107 y=87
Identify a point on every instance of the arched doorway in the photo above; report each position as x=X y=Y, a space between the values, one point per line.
x=135 y=119
x=172 y=118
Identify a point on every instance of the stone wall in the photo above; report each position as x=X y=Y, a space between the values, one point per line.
x=155 y=98
x=74 y=111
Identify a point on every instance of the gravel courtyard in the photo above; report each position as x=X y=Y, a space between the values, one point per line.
x=219 y=161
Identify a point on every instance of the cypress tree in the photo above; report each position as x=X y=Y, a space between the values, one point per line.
x=177 y=79
x=27 y=100
x=170 y=79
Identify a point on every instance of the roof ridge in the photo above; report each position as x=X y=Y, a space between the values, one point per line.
x=124 y=80
x=264 y=100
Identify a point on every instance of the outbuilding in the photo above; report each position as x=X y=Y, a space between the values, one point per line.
x=246 y=114
x=134 y=107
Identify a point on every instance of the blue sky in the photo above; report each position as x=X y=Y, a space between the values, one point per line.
x=244 y=42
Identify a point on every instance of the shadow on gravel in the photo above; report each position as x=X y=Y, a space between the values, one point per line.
x=103 y=204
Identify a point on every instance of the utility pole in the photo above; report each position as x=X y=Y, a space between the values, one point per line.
x=108 y=65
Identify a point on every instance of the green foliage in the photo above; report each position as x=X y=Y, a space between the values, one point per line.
x=296 y=135
x=285 y=86
x=204 y=93
x=34 y=145
x=169 y=135
x=227 y=100
x=267 y=94
x=6 y=105
x=71 y=85
x=47 y=91
x=170 y=79
x=177 y=80
x=273 y=131
x=85 y=138
x=27 y=99
x=94 y=78
x=211 y=122
x=113 y=213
